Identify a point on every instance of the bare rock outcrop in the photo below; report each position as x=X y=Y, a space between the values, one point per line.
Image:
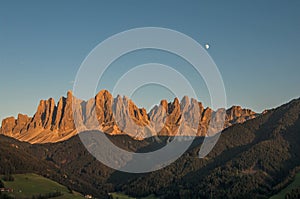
x=56 y=122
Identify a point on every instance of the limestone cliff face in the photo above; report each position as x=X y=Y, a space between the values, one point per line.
x=55 y=122
x=238 y=115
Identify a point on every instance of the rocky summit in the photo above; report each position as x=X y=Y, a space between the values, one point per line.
x=56 y=122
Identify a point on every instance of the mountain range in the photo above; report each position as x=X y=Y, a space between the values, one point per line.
x=118 y=116
x=253 y=159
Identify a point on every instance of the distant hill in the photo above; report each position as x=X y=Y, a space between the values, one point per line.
x=255 y=159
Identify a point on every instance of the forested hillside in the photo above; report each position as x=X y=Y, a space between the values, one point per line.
x=255 y=159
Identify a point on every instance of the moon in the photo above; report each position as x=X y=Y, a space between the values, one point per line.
x=206 y=46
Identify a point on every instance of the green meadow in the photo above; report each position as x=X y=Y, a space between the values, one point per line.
x=28 y=185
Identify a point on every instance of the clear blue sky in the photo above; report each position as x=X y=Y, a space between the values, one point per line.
x=255 y=44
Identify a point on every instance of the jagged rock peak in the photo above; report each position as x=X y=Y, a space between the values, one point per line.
x=69 y=94
x=185 y=100
x=104 y=93
x=164 y=104
x=55 y=122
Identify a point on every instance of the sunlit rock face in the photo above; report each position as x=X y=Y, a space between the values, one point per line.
x=57 y=122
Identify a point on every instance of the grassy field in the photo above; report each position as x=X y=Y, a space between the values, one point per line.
x=294 y=184
x=123 y=196
x=27 y=185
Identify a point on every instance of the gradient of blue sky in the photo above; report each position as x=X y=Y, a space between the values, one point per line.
x=255 y=44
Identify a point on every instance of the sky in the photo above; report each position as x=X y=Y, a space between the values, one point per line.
x=255 y=45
